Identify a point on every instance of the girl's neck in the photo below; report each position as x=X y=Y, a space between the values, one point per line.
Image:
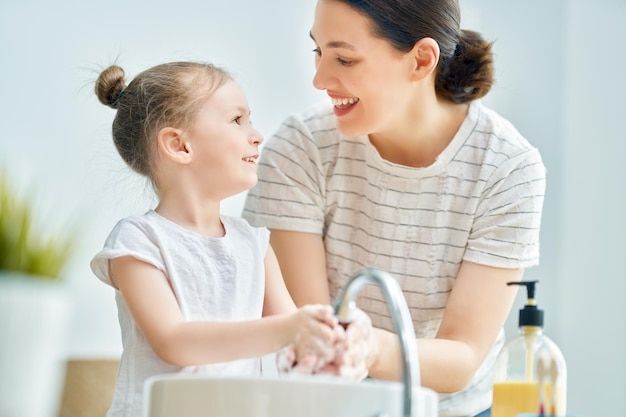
x=198 y=216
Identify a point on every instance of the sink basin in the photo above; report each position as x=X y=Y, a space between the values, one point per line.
x=287 y=396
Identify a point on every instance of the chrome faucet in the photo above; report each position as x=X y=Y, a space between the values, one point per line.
x=400 y=316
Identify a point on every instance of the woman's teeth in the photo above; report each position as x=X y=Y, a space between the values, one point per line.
x=344 y=102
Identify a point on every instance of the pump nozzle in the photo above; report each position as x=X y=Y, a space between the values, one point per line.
x=530 y=315
x=530 y=289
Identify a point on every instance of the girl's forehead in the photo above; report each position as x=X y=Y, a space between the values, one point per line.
x=228 y=96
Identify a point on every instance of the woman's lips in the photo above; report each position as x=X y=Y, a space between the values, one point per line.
x=342 y=106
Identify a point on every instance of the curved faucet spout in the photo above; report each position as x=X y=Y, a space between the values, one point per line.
x=400 y=316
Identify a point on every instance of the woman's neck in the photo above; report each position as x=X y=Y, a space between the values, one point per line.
x=418 y=137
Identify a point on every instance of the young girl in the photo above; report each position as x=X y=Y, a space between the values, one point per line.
x=196 y=290
x=406 y=170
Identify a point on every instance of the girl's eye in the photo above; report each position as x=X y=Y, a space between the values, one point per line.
x=237 y=120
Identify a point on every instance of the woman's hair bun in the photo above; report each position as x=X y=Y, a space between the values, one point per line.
x=469 y=74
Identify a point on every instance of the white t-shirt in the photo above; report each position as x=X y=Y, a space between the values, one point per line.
x=213 y=279
x=480 y=201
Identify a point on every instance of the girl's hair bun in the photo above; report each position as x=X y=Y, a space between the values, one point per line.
x=110 y=86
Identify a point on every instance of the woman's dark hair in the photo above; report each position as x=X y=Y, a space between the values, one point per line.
x=465 y=70
x=165 y=95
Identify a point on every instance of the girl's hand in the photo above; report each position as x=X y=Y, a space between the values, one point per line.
x=316 y=334
x=352 y=352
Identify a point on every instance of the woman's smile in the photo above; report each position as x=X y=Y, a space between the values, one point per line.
x=342 y=106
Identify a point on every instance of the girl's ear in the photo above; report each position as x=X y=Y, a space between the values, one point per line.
x=425 y=57
x=172 y=145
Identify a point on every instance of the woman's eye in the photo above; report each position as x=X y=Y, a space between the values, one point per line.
x=344 y=62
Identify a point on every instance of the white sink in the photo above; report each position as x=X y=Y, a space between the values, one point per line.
x=288 y=396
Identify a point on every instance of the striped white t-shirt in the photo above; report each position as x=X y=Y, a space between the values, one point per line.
x=480 y=201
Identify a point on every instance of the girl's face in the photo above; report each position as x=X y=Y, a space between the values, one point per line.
x=367 y=79
x=224 y=143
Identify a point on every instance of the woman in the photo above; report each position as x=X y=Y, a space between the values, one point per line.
x=408 y=172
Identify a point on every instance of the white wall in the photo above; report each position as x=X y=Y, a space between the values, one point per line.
x=56 y=136
x=559 y=79
x=560 y=67
x=592 y=242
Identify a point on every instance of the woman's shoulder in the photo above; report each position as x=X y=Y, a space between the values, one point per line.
x=499 y=134
x=316 y=124
x=318 y=115
x=498 y=151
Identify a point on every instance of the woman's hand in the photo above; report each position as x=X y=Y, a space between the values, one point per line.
x=354 y=356
x=349 y=356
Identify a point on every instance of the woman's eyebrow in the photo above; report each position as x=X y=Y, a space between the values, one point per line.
x=336 y=44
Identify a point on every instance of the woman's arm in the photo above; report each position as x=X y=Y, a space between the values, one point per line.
x=277 y=299
x=478 y=306
x=155 y=309
x=303 y=264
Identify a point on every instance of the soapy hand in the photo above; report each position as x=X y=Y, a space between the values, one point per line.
x=314 y=341
x=354 y=355
x=347 y=356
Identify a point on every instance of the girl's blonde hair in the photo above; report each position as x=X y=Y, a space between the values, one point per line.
x=165 y=95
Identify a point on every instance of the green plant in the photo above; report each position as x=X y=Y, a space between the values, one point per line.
x=23 y=247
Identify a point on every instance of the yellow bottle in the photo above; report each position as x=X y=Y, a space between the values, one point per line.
x=530 y=374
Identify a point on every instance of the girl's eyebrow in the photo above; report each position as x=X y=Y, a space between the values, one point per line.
x=242 y=109
x=336 y=44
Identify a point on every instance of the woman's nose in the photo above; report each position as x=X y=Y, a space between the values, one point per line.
x=322 y=76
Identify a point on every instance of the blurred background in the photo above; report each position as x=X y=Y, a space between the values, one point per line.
x=560 y=80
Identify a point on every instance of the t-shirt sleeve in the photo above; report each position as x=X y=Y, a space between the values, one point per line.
x=290 y=191
x=506 y=230
x=128 y=238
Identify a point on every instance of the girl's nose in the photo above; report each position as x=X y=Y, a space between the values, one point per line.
x=256 y=137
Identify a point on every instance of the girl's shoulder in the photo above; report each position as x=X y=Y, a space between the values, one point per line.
x=134 y=224
x=240 y=228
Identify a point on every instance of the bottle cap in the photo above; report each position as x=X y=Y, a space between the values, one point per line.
x=530 y=315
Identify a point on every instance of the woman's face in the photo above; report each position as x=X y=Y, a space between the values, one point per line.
x=367 y=79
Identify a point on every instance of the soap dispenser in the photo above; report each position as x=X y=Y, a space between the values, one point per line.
x=530 y=374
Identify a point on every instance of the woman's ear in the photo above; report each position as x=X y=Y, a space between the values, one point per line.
x=172 y=145
x=425 y=57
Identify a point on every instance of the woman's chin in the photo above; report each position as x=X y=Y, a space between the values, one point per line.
x=350 y=129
